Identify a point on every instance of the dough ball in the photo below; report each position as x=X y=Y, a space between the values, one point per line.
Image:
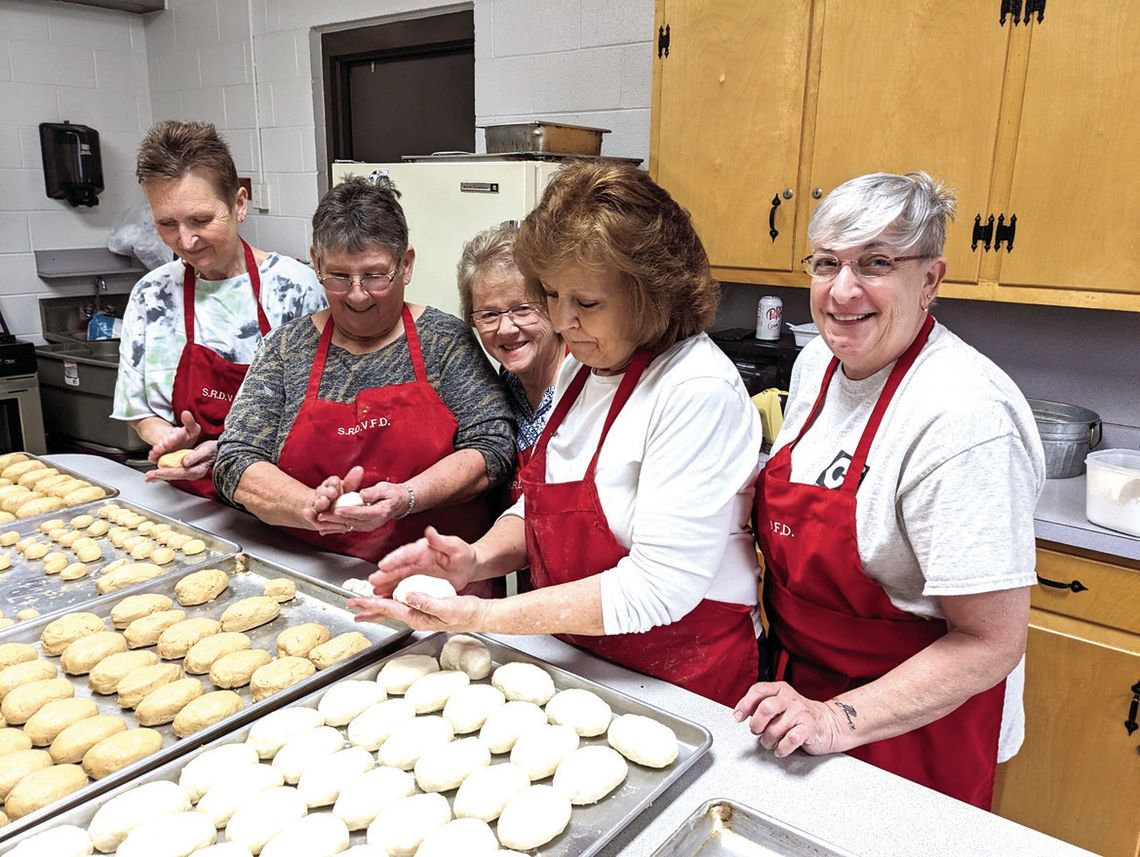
x=31 y=613
x=590 y=773
x=533 y=817
x=72 y=744
x=203 y=771
x=145 y=630
x=345 y=700
x=299 y=640
x=201 y=586
x=304 y=750
x=539 y=750
x=23 y=673
x=583 y=710
x=123 y=576
x=202 y=654
x=16 y=653
x=398 y=674
x=320 y=835
x=363 y=798
x=80 y=657
x=237 y=668
x=123 y=813
x=468 y=708
x=347 y=500
x=402 y=826
x=373 y=725
x=484 y=794
x=468 y=654
x=62 y=632
x=18 y=765
x=277 y=675
x=281 y=589
x=175 y=835
x=523 y=681
x=173 y=459
x=43 y=788
x=468 y=836
x=358 y=587
x=162 y=556
x=444 y=767
x=270 y=733
x=338 y=648
x=411 y=739
x=193 y=547
x=227 y=793
x=176 y=640
x=223 y=849
x=136 y=606
x=431 y=692
x=25 y=700
x=66 y=840
x=263 y=816
x=321 y=782
x=163 y=704
x=250 y=613
x=106 y=675
x=44 y=726
x=505 y=724
x=436 y=587
x=12 y=739
x=643 y=740
x=120 y=750
x=140 y=682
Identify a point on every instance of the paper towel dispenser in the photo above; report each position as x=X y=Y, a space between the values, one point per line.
x=73 y=165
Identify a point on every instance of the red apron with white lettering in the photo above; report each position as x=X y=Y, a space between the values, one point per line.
x=711 y=651
x=836 y=629
x=204 y=383
x=395 y=433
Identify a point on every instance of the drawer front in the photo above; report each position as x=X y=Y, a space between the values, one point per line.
x=1108 y=595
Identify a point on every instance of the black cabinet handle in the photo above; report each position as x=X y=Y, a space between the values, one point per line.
x=1073 y=586
x=1012 y=8
x=1130 y=724
x=772 y=230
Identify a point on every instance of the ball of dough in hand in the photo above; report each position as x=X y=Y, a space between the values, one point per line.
x=347 y=499
x=173 y=459
x=436 y=587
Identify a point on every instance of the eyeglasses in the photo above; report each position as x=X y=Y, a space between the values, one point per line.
x=522 y=315
x=824 y=266
x=340 y=284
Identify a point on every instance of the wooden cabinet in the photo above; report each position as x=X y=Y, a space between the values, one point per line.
x=1077 y=776
x=762 y=108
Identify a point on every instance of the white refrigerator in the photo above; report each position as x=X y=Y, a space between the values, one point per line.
x=446 y=203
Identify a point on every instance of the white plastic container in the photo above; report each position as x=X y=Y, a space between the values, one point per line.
x=804 y=333
x=1112 y=497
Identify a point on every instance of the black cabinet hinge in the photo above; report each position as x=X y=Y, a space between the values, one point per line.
x=983 y=232
x=1005 y=232
x=662 y=41
x=1012 y=8
x=1130 y=724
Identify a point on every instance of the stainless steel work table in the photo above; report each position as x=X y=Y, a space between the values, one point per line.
x=838 y=799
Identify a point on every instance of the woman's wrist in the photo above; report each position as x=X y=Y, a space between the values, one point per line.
x=411 y=507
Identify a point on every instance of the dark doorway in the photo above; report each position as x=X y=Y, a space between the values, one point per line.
x=405 y=88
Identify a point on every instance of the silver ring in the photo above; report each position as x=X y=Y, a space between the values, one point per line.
x=351 y=528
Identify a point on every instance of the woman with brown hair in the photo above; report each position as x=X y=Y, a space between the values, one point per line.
x=192 y=326
x=635 y=504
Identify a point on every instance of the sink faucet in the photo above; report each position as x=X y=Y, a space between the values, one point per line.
x=100 y=290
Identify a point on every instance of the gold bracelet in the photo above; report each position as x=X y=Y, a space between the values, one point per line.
x=411 y=500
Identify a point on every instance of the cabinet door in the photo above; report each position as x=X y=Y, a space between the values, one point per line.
x=1077 y=776
x=913 y=86
x=727 y=123
x=1077 y=163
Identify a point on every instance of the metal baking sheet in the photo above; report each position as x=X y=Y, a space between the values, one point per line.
x=725 y=828
x=111 y=490
x=25 y=585
x=316 y=601
x=590 y=828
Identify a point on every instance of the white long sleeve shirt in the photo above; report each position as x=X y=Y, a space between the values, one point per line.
x=676 y=482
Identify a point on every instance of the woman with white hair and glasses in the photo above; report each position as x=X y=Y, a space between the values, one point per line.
x=515 y=331
x=896 y=513
x=390 y=402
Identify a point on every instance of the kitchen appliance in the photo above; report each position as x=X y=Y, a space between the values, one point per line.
x=446 y=203
x=1112 y=490
x=21 y=415
x=544 y=137
x=1067 y=432
x=73 y=163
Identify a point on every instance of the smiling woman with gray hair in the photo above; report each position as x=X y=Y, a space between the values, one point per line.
x=360 y=425
x=896 y=513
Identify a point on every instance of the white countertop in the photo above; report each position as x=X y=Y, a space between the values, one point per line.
x=838 y=799
x=1060 y=517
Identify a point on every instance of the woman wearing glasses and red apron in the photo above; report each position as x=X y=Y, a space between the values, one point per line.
x=896 y=514
x=361 y=425
x=635 y=503
x=219 y=298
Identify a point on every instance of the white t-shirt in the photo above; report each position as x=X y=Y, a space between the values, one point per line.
x=676 y=482
x=225 y=321
x=946 y=501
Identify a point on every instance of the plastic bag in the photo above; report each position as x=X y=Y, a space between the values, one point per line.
x=135 y=234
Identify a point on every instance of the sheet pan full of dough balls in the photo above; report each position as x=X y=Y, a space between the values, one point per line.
x=454 y=746
x=90 y=697
x=55 y=562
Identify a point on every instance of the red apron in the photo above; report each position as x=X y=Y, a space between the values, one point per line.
x=711 y=651
x=395 y=433
x=836 y=629
x=204 y=383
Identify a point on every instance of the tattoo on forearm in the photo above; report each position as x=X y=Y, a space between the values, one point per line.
x=848 y=711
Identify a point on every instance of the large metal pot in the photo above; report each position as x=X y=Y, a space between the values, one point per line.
x=1068 y=433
